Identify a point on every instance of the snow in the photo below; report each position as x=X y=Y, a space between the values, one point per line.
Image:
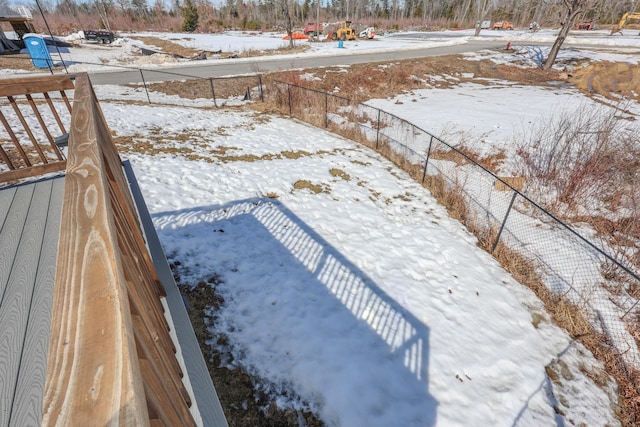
x=88 y=56
x=360 y=297
x=496 y=113
x=365 y=298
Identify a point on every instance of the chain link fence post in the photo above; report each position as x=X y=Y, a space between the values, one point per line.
x=213 y=92
x=504 y=221
x=145 y=86
x=326 y=110
x=378 y=130
x=426 y=161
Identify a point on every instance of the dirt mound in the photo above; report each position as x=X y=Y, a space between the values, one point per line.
x=612 y=80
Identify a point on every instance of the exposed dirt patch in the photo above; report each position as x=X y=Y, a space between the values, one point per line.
x=612 y=80
x=243 y=405
x=168 y=46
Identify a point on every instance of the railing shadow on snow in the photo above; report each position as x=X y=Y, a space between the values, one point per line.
x=264 y=227
x=570 y=264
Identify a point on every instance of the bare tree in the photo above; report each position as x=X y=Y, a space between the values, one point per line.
x=482 y=7
x=572 y=9
x=287 y=22
x=103 y=8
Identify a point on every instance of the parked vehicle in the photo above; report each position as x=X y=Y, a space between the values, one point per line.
x=345 y=32
x=312 y=29
x=502 y=25
x=99 y=36
x=586 y=25
x=367 y=33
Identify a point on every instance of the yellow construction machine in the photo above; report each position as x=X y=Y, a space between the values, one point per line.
x=344 y=32
x=624 y=20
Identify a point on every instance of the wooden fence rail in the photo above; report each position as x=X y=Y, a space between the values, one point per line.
x=111 y=360
x=33 y=112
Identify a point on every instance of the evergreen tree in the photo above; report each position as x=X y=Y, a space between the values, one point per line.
x=190 y=14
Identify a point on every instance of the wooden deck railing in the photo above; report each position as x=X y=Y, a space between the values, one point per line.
x=111 y=360
x=33 y=111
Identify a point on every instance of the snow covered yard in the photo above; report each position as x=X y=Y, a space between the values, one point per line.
x=347 y=288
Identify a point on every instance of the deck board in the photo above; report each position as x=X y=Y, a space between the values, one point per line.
x=33 y=367
x=10 y=235
x=6 y=197
x=28 y=226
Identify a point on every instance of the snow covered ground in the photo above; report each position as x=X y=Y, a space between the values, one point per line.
x=360 y=295
x=346 y=285
x=86 y=56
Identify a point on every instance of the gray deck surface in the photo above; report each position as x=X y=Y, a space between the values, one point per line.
x=29 y=227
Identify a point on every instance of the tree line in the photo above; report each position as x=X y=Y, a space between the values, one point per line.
x=205 y=16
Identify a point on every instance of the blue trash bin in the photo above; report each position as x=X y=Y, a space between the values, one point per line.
x=38 y=51
x=340 y=44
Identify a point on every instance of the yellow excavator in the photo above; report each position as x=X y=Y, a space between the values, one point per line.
x=623 y=21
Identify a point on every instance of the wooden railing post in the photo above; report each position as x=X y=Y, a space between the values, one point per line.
x=93 y=375
x=111 y=359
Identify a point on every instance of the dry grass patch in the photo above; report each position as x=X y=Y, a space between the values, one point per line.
x=314 y=188
x=570 y=317
x=295 y=154
x=16 y=62
x=340 y=174
x=265 y=157
x=365 y=81
x=198 y=88
x=510 y=183
x=168 y=47
x=273 y=52
x=192 y=145
x=451 y=197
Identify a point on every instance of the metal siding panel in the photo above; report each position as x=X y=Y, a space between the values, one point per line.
x=203 y=389
x=33 y=368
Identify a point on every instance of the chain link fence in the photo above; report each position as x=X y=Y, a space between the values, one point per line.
x=169 y=88
x=587 y=287
x=173 y=88
x=164 y=87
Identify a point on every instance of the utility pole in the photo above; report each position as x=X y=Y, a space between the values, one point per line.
x=318 y=21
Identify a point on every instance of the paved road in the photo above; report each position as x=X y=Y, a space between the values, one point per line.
x=274 y=63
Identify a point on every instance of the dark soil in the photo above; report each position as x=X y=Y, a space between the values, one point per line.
x=243 y=404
